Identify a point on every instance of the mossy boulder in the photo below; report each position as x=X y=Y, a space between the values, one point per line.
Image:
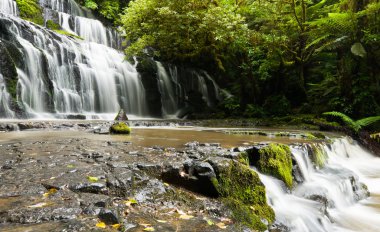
x=120 y=128
x=276 y=160
x=31 y=11
x=318 y=155
x=244 y=194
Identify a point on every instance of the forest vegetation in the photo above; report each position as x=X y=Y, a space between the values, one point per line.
x=272 y=58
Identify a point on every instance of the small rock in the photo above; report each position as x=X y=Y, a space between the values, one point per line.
x=109 y=217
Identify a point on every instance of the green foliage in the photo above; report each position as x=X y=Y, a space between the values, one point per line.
x=66 y=33
x=276 y=160
x=52 y=25
x=356 y=126
x=277 y=105
x=90 y=4
x=31 y=11
x=242 y=191
x=183 y=30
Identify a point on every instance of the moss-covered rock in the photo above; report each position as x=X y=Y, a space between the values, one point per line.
x=50 y=24
x=276 y=160
x=31 y=11
x=243 y=193
x=318 y=155
x=120 y=128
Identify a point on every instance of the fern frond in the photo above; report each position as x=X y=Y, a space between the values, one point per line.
x=346 y=119
x=367 y=121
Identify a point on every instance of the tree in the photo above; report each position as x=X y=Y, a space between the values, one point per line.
x=183 y=30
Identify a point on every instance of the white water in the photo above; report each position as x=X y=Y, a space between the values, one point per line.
x=346 y=160
x=75 y=20
x=86 y=77
x=172 y=92
x=8 y=7
x=60 y=75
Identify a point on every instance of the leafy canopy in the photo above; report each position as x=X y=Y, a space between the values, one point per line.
x=182 y=30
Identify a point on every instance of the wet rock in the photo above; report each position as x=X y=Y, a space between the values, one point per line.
x=120 y=128
x=121 y=116
x=278 y=227
x=152 y=169
x=192 y=145
x=193 y=175
x=98 y=188
x=76 y=117
x=203 y=169
x=153 y=190
x=101 y=130
x=109 y=217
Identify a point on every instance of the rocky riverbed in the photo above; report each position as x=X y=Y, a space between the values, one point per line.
x=58 y=176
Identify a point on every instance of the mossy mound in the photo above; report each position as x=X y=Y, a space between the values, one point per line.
x=276 y=160
x=243 y=193
x=31 y=11
x=120 y=128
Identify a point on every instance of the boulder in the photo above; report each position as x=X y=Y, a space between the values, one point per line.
x=120 y=128
x=121 y=116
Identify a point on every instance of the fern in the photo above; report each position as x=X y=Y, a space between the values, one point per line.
x=354 y=125
x=346 y=119
x=368 y=121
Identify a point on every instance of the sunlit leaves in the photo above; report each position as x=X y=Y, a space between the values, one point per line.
x=101 y=225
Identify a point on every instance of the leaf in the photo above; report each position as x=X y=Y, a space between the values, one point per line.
x=186 y=217
x=166 y=184
x=70 y=166
x=221 y=225
x=358 y=50
x=210 y=222
x=116 y=226
x=50 y=192
x=149 y=229
x=130 y=202
x=93 y=179
x=101 y=225
x=161 y=221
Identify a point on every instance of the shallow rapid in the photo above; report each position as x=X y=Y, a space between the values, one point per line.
x=331 y=198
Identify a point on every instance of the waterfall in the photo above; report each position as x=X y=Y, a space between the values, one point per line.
x=330 y=198
x=167 y=87
x=176 y=85
x=59 y=75
x=6 y=112
x=8 y=7
x=76 y=20
x=66 y=76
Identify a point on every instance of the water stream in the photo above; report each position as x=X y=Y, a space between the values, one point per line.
x=330 y=198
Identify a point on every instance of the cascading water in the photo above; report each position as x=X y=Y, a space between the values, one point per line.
x=66 y=76
x=330 y=198
x=74 y=19
x=8 y=7
x=175 y=88
x=61 y=75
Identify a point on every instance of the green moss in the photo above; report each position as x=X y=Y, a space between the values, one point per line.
x=52 y=25
x=66 y=33
x=310 y=136
x=31 y=11
x=243 y=193
x=120 y=128
x=276 y=160
x=243 y=158
x=319 y=156
x=12 y=88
